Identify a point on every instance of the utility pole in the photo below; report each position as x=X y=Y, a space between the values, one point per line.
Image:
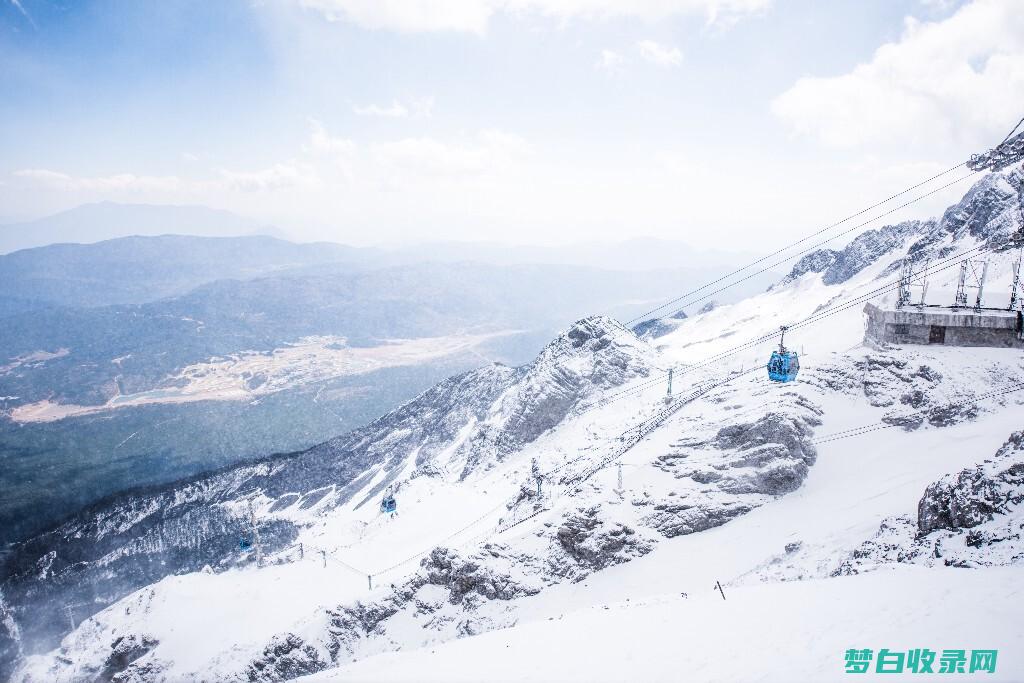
x=369 y=580
x=668 y=394
x=621 y=489
x=323 y=553
x=718 y=585
x=71 y=617
x=256 y=536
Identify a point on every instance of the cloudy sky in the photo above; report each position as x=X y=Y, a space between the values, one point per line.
x=719 y=122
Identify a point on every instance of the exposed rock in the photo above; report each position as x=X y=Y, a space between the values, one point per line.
x=447 y=568
x=594 y=543
x=815 y=262
x=974 y=496
x=868 y=247
x=969 y=519
x=695 y=515
x=782 y=434
x=706 y=308
x=123 y=652
x=286 y=657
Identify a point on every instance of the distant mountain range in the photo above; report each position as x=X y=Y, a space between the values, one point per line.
x=140 y=359
x=107 y=220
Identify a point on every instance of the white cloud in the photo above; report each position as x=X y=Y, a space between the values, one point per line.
x=662 y=55
x=473 y=16
x=610 y=61
x=958 y=80
x=120 y=182
x=322 y=142
x=487 y=152
x=420 y=107
x=277 y=177
x=408 y=16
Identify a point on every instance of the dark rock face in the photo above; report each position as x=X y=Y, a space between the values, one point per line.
x=594 y=354
x=988 y=212
x=868 y=247
x=461 y=576
x=893 y=542
x=653 y=328
x=752 y=463
x=706 y=308
x=679 y=519
x=779 y=449
x=974 y=496
x=659 y=327
x=968 y=519
x=594 y=543
x=983 y=212
x=286 y=657
x=815 y=262
x=966 y=501
x=123 y=652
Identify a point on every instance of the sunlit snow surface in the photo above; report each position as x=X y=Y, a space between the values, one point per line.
x=657 y=616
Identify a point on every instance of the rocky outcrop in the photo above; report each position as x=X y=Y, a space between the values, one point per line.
x=593 y=355
x=678 y=519
x=968 y=519
x=815 y=262
x=593 y=543
x=869 y=247
x=753 y=462
x=124 y=652
x=974 y=496
x=464 y=576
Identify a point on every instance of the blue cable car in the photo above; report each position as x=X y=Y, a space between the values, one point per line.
x=784 y=365
x=388 y=505
x=244 y=544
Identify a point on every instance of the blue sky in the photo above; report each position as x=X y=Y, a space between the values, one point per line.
x=541 y=121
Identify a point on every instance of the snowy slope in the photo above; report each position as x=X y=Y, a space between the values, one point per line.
x=794 y=632
x=762 y=487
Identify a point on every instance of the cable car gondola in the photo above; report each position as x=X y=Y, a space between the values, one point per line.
x=244 y=544
x=388 y=504
x=784 y=365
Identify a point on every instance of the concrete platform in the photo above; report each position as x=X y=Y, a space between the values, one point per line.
x=944 y=325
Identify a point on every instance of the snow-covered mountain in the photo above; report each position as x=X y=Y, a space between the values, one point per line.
x=566 y=521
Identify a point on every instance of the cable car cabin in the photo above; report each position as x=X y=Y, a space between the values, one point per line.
x=244 y=544
x=388 y=504
x=784 y=365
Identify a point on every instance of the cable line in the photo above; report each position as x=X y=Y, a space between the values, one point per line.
x=802 y=253
x=812 y=319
